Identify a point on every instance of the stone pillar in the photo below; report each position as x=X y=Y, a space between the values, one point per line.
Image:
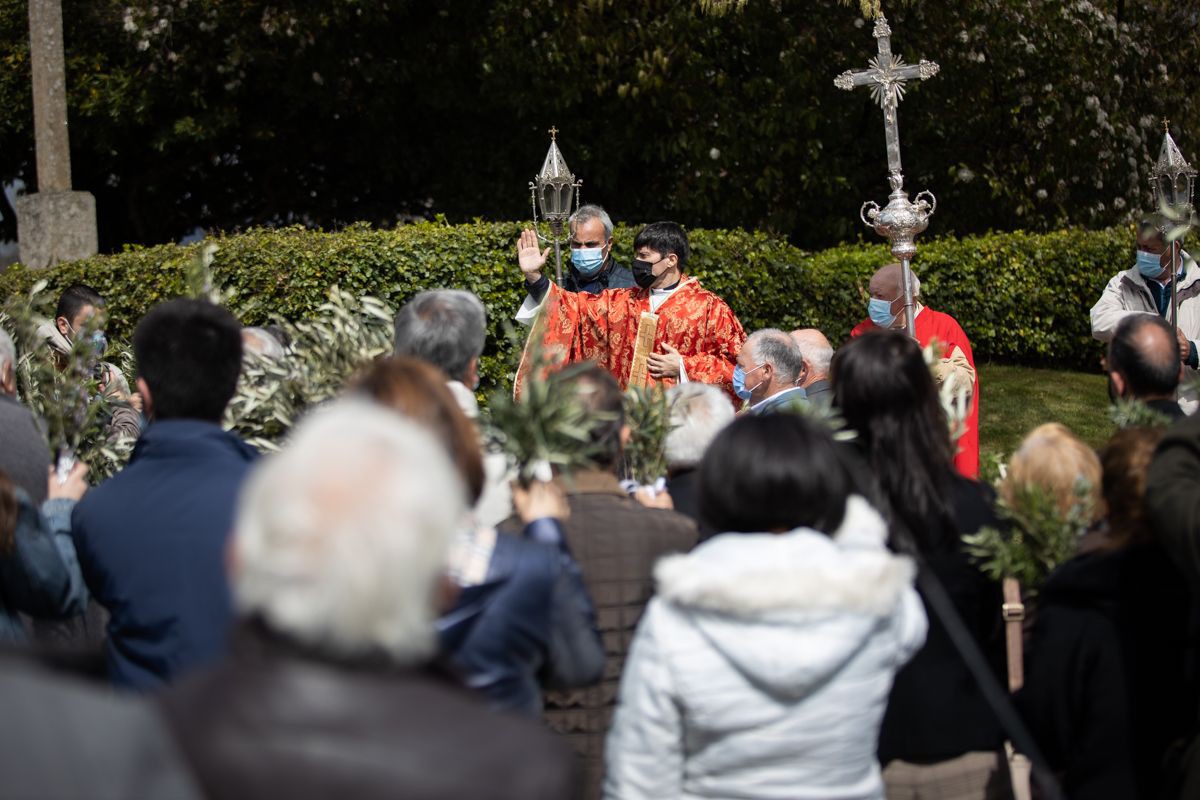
x=55 y=224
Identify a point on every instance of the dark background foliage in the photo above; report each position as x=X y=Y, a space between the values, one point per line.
x=1021 y=297
x=234 y=113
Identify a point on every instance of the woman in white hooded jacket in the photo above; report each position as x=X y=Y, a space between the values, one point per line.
x=762 y=667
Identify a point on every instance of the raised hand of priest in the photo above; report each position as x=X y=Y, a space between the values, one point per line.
x=666 y=364
x=530 y=256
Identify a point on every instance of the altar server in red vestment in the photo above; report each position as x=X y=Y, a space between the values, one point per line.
x=886 y=310
x=697 y=336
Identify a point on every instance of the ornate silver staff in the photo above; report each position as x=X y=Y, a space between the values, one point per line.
x=1172 y=181
x=901 y=219
x=552 y=190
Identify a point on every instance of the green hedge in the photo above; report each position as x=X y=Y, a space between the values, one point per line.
x=1022 y=298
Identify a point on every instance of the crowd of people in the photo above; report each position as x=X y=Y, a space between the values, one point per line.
x=379 y=609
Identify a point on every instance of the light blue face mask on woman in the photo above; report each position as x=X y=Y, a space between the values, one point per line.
x=587 y=260
x=880 y=312
x=1149 y=264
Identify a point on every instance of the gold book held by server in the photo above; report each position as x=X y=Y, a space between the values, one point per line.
x=642 y=348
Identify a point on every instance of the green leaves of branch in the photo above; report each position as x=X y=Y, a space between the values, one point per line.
x=648 y=414
x=548 y=428
x=1042 y=537
x=345 y=335
x=66 y=396
x=1133 y=413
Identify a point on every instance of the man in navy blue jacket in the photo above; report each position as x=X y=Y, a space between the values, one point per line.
x=151 y=540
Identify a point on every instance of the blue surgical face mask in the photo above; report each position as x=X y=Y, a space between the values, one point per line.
x=1149 y=264
x=739 y=382
x=880 y=312
x=587 y=260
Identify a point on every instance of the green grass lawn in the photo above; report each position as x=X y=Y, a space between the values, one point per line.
x=1014 y=400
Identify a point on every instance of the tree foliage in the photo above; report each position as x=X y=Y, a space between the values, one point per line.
x=230 y=113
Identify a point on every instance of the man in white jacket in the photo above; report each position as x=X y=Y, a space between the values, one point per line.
x=1145 y=288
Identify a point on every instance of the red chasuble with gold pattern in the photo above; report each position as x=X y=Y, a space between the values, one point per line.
x=603 y=328
x=930 y=325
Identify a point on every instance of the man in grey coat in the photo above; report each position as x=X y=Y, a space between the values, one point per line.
x=24 y=455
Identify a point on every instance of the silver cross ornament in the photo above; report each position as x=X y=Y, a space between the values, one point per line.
x=901 y=219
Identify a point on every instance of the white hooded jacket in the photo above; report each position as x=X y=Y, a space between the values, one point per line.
x=762 y=668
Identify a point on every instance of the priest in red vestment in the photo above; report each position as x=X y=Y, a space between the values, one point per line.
x=697 y=337
x=886 y=310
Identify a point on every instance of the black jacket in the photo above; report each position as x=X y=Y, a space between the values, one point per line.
x=612 y=276
x=1173 y=495
x=936 y=711
x=277 y=720
x=1110 y=682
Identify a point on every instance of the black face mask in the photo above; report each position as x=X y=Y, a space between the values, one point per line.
x=643 y=272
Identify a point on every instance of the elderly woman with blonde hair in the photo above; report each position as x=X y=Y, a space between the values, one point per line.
x=1056 y=461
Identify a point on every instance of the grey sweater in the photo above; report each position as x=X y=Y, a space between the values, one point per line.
x=24 y=455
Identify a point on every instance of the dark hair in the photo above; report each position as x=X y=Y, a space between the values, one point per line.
x=886 y=393
x=74 y=298
x=600 y=395
x=445 y=327
x=664 y=238
x=418 y=391
x=1149 y=371
x=773 y=472
x=189 y=352
x=1125 y=461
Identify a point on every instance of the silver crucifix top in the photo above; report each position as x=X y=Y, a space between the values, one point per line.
x=886 y=77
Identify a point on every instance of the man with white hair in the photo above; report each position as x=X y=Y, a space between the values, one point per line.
x=766 y=372
x=699 y=411
x=817 y=354
x=23 y=452
x=448 y=329
x=339 y=553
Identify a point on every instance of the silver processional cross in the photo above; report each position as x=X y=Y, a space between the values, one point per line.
x=901 y=220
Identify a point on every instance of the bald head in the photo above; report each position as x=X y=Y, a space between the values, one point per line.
x=816 y=352
x=1143 y=358
x=888 y=282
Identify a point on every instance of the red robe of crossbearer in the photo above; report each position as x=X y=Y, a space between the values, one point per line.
x=932 y=325
x=603 y=328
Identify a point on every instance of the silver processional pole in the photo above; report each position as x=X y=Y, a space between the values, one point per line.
x=1172 y=180
x=551 y=190
x=901 y=219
